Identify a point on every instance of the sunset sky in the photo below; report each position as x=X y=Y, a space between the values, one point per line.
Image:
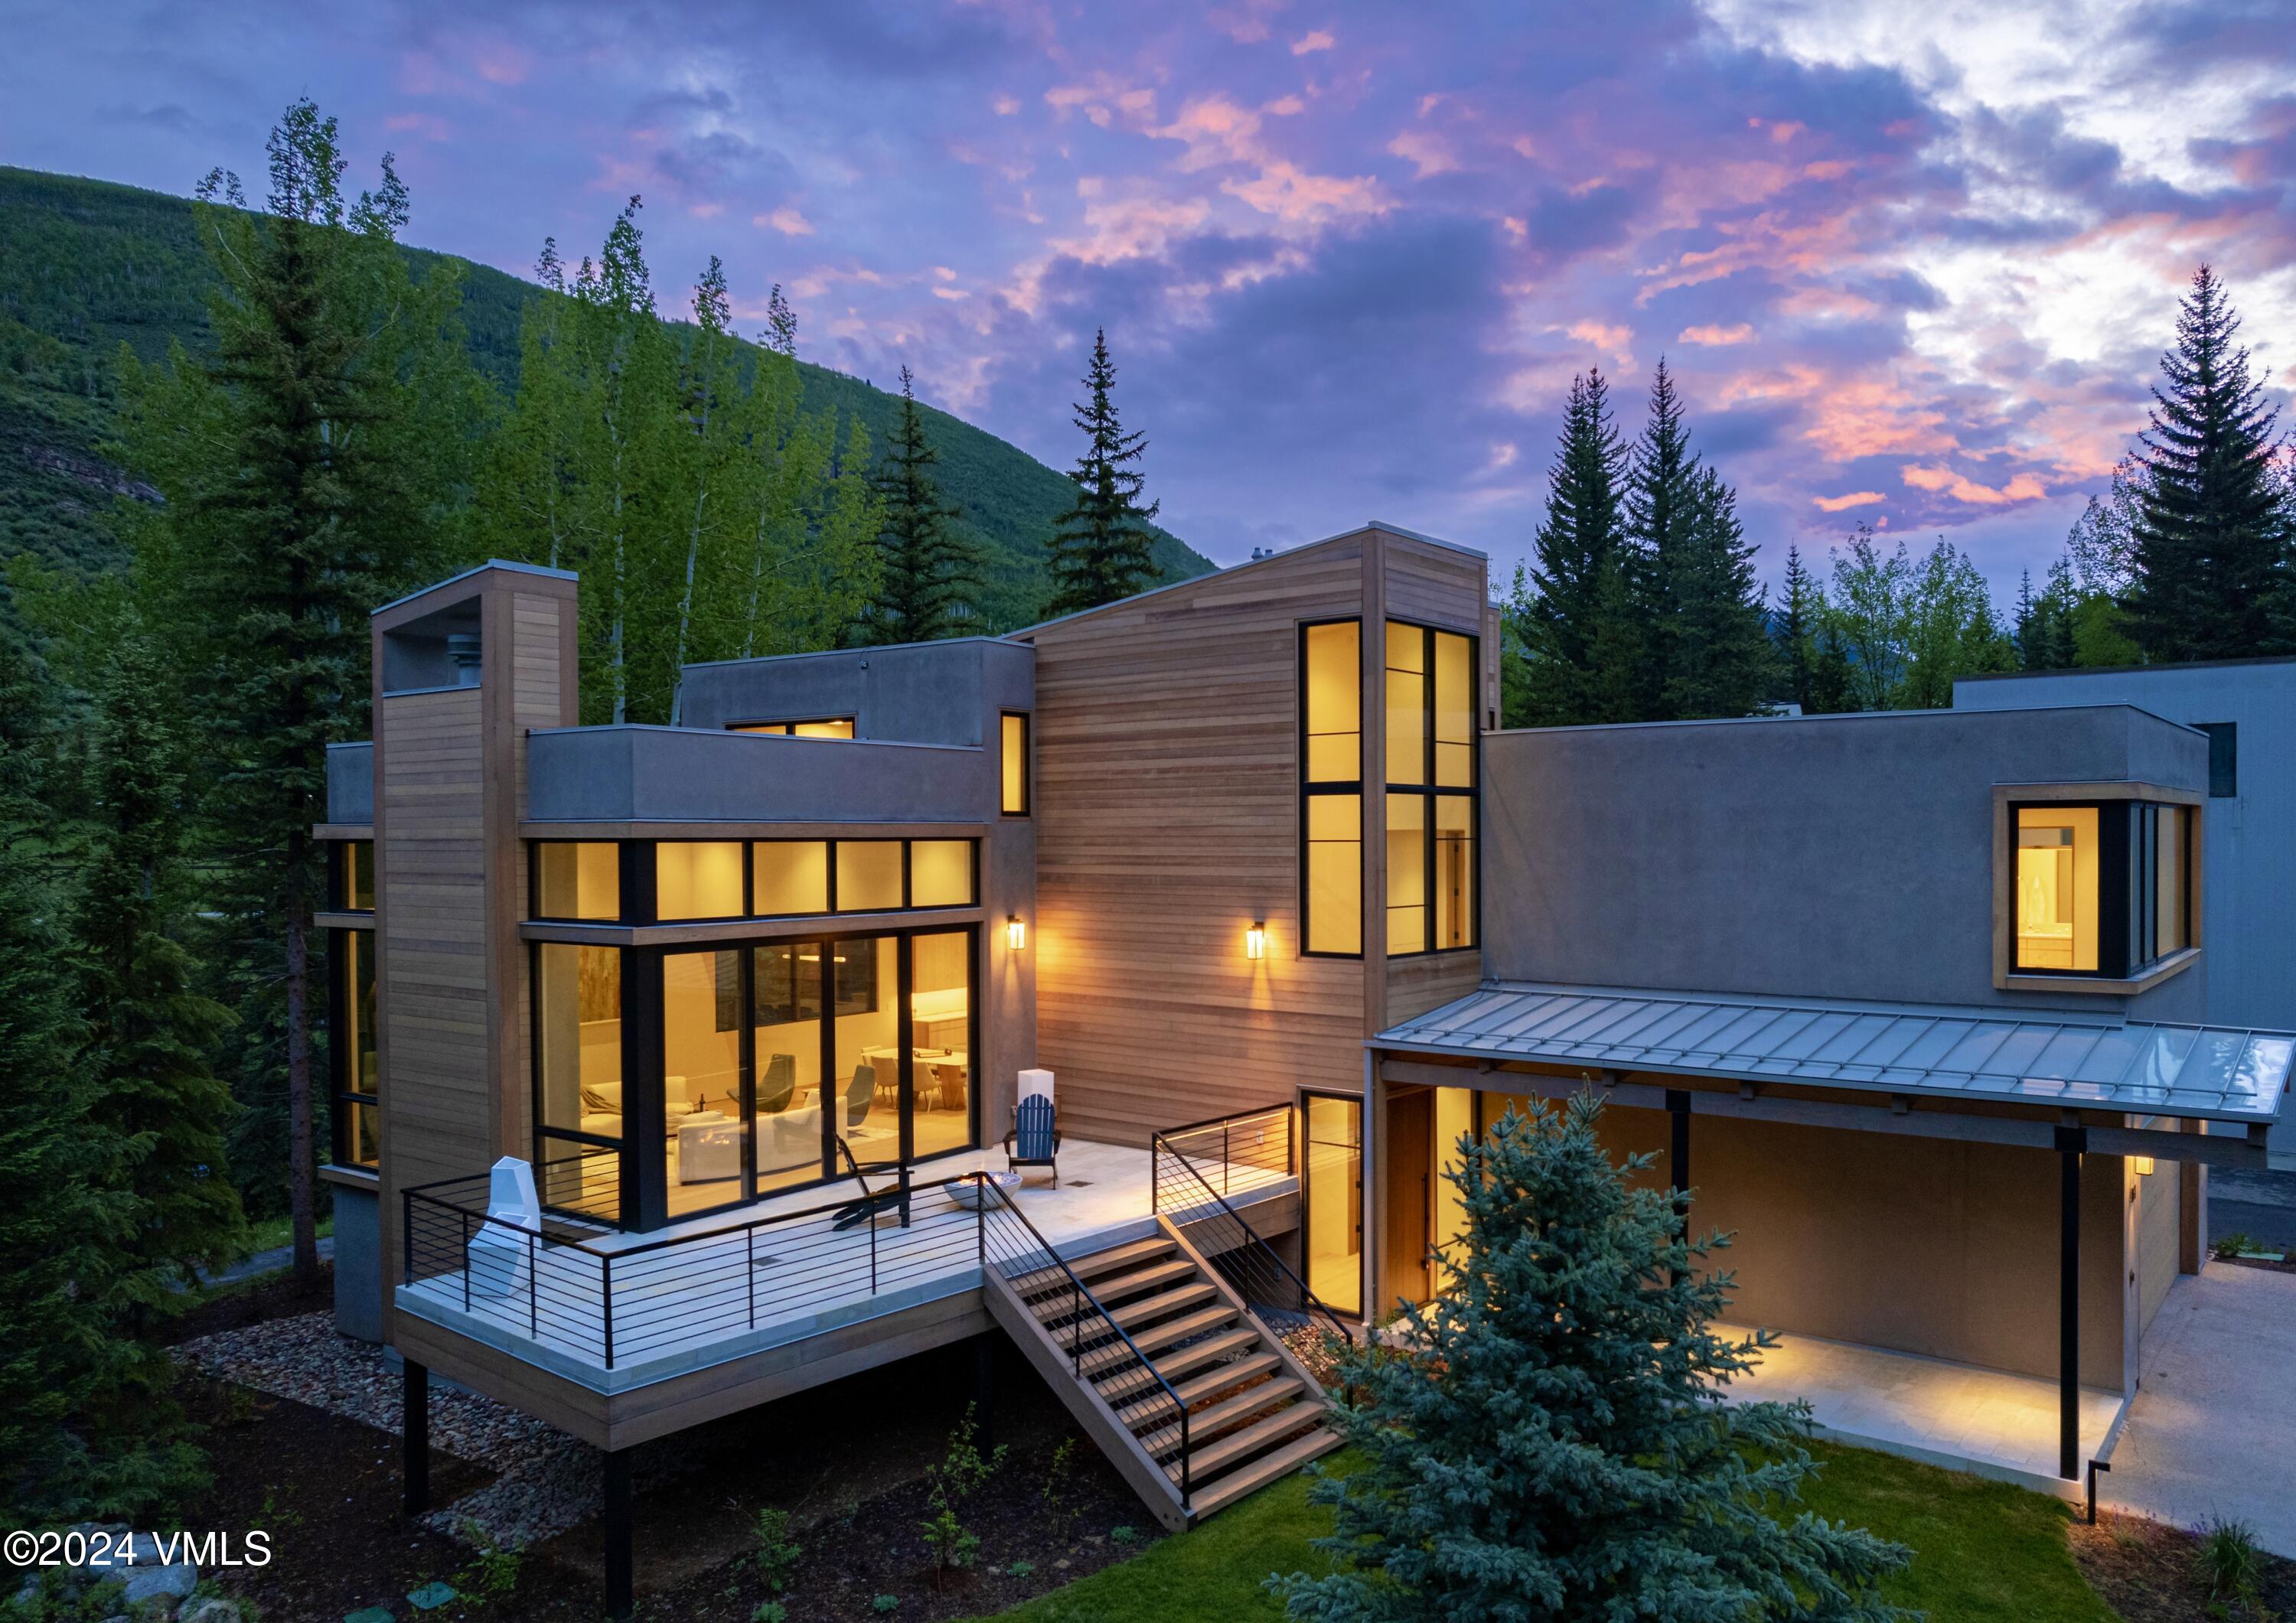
x=1914 y=264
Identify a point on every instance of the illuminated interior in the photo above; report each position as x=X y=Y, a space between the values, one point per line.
x=827 y=726
x=2057 y=888
x=1332 y=1230
x=578 y=1071
x=578 y=879
x=1407 y=873
x=1455 y=1118
x=1012 y=739
x=359 y=1070
x=940 y=873
x=1431 y=857
x=790 y=876
x=1332 y=698
x=697 y=878
x=868 y=875
x=357 y=877
x=701 y=1078
x=941 y=1030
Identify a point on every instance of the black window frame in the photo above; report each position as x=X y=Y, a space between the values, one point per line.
x=342 y=997
x=2224 y=758
x=2127 y=911
x=640 y=906
x=1336 y=786
x=1028 y=720
x=777 y=727
x=343 y=890
x=1428 y=789
x=642 y=1192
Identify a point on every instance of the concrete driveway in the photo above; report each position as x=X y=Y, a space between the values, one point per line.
x=2213 y=1430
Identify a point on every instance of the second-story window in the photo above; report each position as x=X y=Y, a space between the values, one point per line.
x=1430 y=789
x=2100 y=889
x=1330 y=787
x=353 y=876
x=1013 y=749
x=820 y=726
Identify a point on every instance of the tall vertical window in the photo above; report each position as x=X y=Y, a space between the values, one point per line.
x=1333 y=1196
x=578 y=1073
x=1012 y=758
x=1430 y=789
x=578 y=879
x=357 y=1070
x=353 y=886
x=1331 y=773
x=2101 y=888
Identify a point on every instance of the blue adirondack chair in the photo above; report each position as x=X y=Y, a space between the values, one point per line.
x=1034 y=1139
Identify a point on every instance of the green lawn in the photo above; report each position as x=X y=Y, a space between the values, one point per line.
x=272 y=1233
x=1981 y=1551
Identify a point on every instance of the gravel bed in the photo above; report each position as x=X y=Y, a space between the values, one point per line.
x=546 y=1482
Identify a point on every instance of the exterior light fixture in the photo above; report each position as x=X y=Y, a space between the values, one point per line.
x=2144 y=1166
x=1016 y=933
x=1255 y=941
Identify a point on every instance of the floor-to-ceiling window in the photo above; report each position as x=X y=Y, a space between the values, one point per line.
x=1330 y=787
x=1430 y=684
x=704 y=1141
x=357 y=1073
x=1332 y=1233
x=578 y=1081
x=940 y=1021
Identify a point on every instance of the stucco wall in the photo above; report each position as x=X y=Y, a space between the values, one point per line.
x=1823 y=856
x=944 y=692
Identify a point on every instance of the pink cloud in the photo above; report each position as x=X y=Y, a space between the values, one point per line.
x=1842 y=503
x=1289 y=194
x=2022 y=487
x=1317 y=39
x=1428 y=153
x=786 y=220
x=1713 y=334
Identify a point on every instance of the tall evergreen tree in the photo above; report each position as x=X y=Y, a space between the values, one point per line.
x=1719 y=659
x=310 y=470
x=159 y=1105
x=1102 y=548
x=1660 y=503
x=1795 y=630
x=1549 y=1438
x=2212 y=537
x=928 y=575
x=1571 y=615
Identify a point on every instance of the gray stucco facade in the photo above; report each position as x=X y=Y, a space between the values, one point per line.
x=946 y=693
x=1835 y=856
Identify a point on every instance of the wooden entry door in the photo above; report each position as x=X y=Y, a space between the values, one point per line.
x=1406 y=1150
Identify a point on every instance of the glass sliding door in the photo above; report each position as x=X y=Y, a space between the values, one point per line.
x=578 y=1063
x=864 y=1065
x=1332 y=1192
x=787 y=1041
x=940 y=1041
x=705 y=1150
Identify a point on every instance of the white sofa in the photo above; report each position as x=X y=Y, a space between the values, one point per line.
x=607 y=1122
x=789 y=1138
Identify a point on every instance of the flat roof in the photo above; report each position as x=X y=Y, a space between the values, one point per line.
x=1961 y=1052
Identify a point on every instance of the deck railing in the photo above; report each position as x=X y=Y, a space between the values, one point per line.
x=1194 y=1171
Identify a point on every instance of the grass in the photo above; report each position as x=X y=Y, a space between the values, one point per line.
x=272 y=1233
x=1982 y=1551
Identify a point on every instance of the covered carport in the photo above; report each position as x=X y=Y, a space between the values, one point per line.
x=1957 y=1217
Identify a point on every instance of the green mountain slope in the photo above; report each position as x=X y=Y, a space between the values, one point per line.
x=86 y=265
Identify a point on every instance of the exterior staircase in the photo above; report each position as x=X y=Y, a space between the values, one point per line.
x=1194 y=1400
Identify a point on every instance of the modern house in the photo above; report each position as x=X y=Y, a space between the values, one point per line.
x=1240 y=872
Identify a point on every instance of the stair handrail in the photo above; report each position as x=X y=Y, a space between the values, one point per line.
x=1079 y=1293
x=1311 y=1303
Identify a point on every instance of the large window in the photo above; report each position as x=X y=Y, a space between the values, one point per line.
x=696 y=880
x=353 y=884
x=762 y=1056
x=1331 y=786
x=1331 y=1194
x=1430 y=789
x=2101 y=888
x=823 y=726
x=578 y=879
x=352 y=1052
x=1012 y=758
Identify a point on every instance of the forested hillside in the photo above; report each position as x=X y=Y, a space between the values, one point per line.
x=86 y=265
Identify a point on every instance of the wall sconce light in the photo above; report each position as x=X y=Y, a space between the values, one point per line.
x=1016 y=933
x=1255 y=941
x=2144 y=1166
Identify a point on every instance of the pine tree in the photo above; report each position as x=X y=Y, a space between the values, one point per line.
x=2211 y=536
x=308 y=470
x=1720 y=661
x=1571 y=615
x=55 y=1229
x=1795 y=631
x=1102 y=548
x=156 y=1099
x=929 y=575
x=1549 y=1438
x=1660 y=506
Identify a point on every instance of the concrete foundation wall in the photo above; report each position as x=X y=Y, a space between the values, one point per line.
x=1924 y=1246
x=358 y=1263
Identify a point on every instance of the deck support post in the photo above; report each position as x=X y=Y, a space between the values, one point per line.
x=621 y=1595
x=984 y=1391
x=415 y=1435
x=2071 y=1144
x=1678 y=1165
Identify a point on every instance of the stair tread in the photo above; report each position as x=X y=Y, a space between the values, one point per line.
x=1189 y=1357
x=1205 y=1425
x=1147 y=1308
x=1090 y=1267
x=1157 y=1336
x=1197 y=1388
x=1263 y=1471
x=1215 y=1457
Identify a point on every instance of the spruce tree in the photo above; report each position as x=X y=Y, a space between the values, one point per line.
x=1794 y=630
x=929 y=576
x=1660 y=503
x=1102 y=548
x=1571 y=615
x=158 y=1103
x=2212 y=537
x=1720 y=661
x=308 y=470
x=1549 y=1438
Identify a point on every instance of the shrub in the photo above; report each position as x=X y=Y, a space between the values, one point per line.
x=2224 y=1247
x=777 y=1550
x=961 y=1473
x=886 y=1602
x=2229 y=1562
x=770 y=1612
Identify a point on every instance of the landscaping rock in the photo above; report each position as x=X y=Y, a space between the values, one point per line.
x=430 y=1597
x=370 y=1614
x=214 y=1610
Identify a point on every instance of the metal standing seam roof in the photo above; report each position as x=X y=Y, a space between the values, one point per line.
x=2210 y=1072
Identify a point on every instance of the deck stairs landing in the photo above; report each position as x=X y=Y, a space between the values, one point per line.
x=1254 y=1413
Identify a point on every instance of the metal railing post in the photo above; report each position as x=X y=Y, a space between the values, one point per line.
x=405 y=1236
x=467 y=1260
x=872 y=1226
x=1227 y=1160
x=1187 y=1464
x=606 y=1302
x=533 y=1271
x=750 y=1269
x=1076 y=1323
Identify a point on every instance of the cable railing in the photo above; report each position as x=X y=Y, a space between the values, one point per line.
x=1097 y=1347
x=1193 y=1171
